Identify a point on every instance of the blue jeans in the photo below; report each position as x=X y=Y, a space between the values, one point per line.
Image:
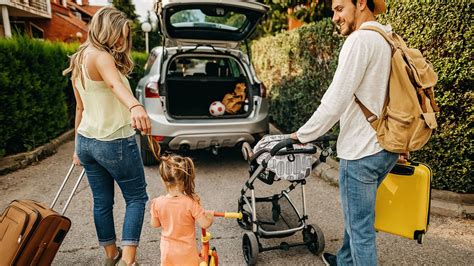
x=108 y=161
x=358 y=183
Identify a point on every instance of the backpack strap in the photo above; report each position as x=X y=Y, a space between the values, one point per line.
x=369 y=116
x=384 y=34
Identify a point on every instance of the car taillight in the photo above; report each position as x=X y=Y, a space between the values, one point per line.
x=263 y=90
x=151 y=90
x=158 y=138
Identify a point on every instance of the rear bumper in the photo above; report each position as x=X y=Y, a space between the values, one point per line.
x=201 y=134
x=202 y=141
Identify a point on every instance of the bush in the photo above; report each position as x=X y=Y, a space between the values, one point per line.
x=297 y=67
x=139 y=70
x=37 y=100
x=443 y=32
x=298 y=77
x=32 y=93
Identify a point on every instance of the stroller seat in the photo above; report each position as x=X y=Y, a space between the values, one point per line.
x=293 y=163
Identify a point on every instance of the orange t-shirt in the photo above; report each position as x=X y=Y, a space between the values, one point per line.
x=177 y=216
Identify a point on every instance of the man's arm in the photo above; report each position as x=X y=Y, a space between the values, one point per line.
x=353 y=61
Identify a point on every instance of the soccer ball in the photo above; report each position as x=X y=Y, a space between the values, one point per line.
x=216 y=108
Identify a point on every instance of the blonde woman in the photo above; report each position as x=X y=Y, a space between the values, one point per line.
x=106 y=116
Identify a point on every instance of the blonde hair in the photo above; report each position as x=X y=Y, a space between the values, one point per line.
x=107 y=26
x=175 y=170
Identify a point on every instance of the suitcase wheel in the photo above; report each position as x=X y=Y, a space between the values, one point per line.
x=420 y=238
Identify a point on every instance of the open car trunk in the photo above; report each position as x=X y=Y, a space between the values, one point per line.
x=193 y=83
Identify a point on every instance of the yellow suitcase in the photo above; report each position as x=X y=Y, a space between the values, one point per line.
x=403 y=201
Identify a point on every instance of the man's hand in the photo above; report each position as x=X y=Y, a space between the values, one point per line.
x=403 y=158
x=294 y=136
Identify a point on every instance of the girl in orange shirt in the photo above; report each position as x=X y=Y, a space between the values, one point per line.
x=178 y=211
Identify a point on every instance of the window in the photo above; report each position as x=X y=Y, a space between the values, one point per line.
x=151 y=64
x=18 y=27
x=36 y=32
x=209 y=17
x=204 y=66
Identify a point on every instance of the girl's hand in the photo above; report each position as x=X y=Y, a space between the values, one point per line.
x=75 y=159
x=140 y=119
x=209 y=215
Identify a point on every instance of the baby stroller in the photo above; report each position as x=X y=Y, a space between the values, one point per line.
x=275 y=158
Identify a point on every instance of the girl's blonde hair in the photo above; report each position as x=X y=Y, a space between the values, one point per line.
x=107 y=26
x=175 y=170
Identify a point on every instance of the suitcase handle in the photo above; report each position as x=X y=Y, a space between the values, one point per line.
x=79 y=179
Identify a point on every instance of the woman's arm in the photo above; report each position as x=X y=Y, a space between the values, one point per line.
x=79 y=110
x=105 y=65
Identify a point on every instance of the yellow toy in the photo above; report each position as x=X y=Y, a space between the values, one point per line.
x=209 y=256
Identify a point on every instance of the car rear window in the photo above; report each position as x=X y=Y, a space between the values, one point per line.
x=205 y=67
x=209 y=17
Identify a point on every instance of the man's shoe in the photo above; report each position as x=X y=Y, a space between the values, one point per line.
x=113 y=261
x=329 y=259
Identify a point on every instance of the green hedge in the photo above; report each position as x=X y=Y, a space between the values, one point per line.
x=297 y=66
x=32 y=93
x=442 y=31
x=37 y=101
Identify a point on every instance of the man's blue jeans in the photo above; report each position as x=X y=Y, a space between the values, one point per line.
x=108 y=161
x=358 y=183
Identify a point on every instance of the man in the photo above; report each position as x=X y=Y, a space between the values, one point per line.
x=363 y=70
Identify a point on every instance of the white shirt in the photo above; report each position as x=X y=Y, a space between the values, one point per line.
x=363 y=69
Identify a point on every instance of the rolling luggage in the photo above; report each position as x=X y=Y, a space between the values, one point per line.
x=403 y=201
x=31 y=233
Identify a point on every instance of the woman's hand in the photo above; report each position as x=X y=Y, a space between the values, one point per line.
x=140 y=119
x=75 y=159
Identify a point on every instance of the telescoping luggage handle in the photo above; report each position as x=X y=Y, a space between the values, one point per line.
x=72 y=192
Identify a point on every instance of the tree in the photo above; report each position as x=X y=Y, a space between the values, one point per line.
x=305 y=10
x=127 y=7
x=138 y=38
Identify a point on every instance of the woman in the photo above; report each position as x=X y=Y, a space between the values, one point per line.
x=106 y=116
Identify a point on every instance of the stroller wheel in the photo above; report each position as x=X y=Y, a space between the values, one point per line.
x=314 y=238
x=250 y=248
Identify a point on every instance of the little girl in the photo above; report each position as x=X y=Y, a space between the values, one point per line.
x=178 y=211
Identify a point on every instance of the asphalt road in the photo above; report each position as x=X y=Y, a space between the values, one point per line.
x=450 y=241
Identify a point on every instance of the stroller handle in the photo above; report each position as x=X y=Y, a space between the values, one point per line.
x=288 y=143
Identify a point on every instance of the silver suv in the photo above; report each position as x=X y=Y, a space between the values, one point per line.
x=200 y=63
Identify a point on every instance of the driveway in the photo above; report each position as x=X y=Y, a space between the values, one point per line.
x=450 y=241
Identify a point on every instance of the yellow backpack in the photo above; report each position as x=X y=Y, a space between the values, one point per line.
x=408 y=116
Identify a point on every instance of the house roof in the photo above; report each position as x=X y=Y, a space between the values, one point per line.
x=87 y=9
x=74 y=21
x=92 y=9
